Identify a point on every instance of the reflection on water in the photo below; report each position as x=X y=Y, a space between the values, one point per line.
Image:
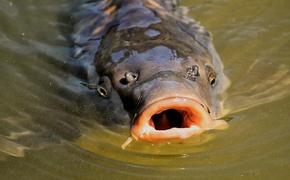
x=48 y=121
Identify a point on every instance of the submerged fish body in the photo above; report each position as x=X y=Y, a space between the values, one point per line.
x=160 y=62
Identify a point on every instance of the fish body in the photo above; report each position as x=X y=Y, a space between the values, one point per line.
x=161 y=63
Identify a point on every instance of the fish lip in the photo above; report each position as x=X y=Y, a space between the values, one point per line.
x=142 y=130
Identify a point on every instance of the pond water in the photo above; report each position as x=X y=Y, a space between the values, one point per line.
x=49 y=127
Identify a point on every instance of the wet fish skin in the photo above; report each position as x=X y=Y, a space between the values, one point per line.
x=166 y=51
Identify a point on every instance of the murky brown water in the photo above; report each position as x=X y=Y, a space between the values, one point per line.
x=46 y=134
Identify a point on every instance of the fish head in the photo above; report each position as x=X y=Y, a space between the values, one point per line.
x=168 y=96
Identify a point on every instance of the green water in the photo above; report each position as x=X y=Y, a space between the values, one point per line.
x=45 y=134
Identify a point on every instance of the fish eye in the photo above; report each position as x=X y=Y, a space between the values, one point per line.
x=211 y=75
x=102 y=91
x=104 y=87
x=129 y=78
x=212 y=80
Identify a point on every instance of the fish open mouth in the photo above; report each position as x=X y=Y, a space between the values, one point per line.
x=171 y=119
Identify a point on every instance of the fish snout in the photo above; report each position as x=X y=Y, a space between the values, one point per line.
x=171 y=112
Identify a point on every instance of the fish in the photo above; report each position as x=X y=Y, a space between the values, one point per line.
x=160 y=62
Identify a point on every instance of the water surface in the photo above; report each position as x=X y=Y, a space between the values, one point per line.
x=49 y=127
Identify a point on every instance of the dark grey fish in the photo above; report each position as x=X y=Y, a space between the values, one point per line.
x=160 y=62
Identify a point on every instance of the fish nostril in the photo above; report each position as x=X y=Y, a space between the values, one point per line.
x=124 y=81
x=130 y=77
x=192 y=73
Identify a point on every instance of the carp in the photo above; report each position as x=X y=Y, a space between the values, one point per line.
x=161 y=63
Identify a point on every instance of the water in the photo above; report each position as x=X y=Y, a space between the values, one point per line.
x=48 y=127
